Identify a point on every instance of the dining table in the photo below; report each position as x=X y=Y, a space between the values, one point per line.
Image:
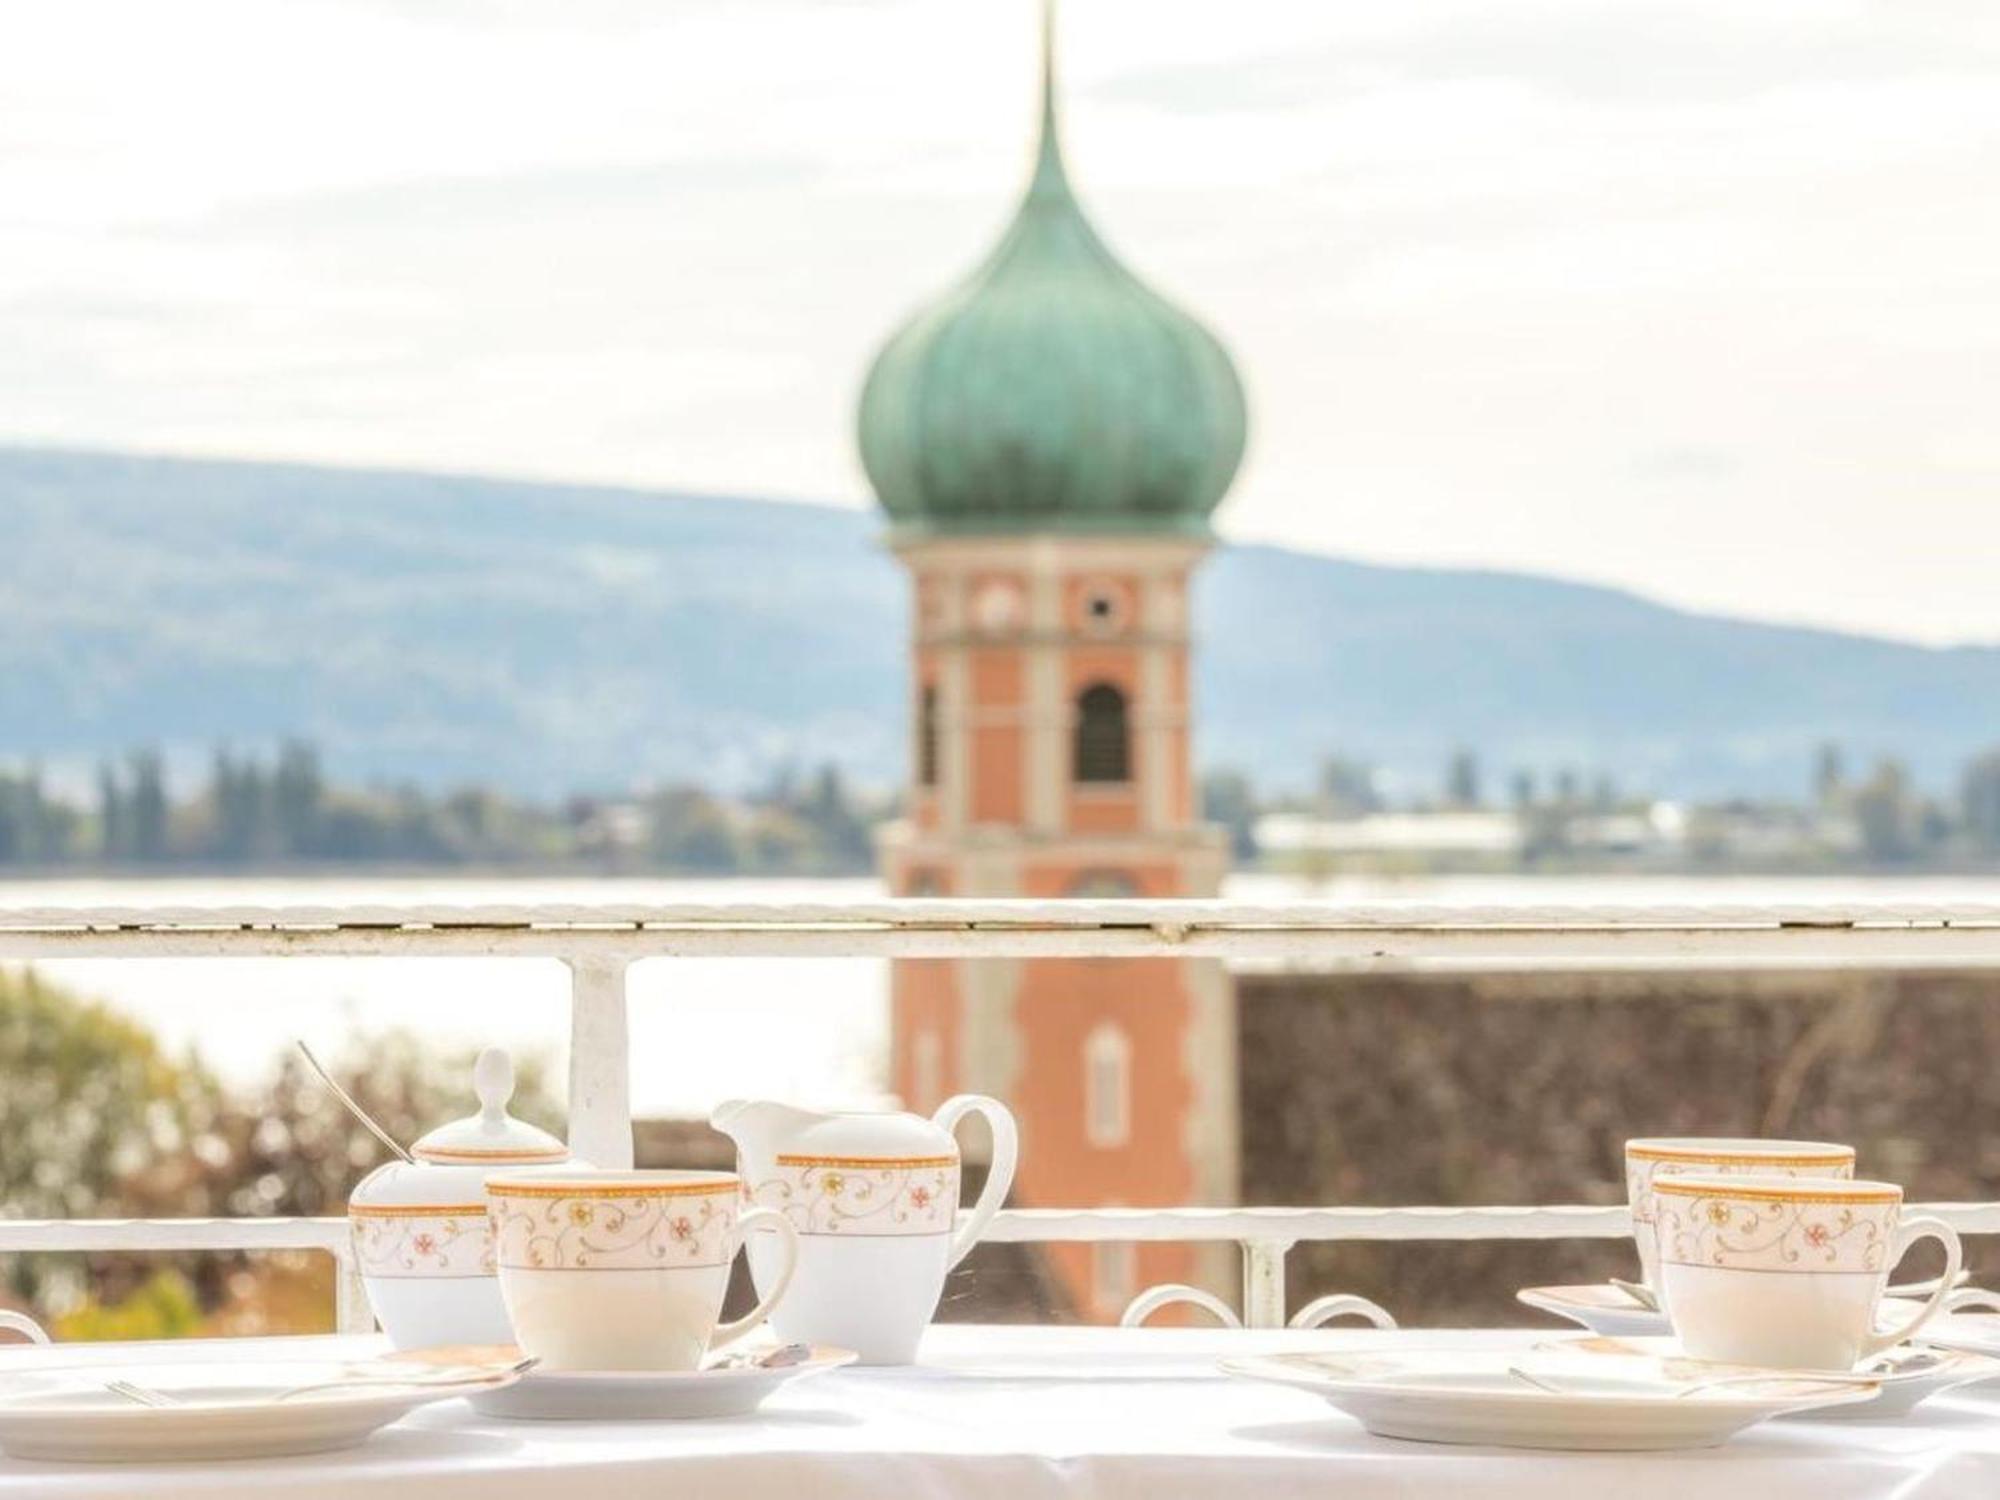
x=1024 y=1412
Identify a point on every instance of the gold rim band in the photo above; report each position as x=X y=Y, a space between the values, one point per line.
x=604 y=1190
x=856 y=1163
x=1678 y=1187
x=416 y=1210
x=1740 y=1158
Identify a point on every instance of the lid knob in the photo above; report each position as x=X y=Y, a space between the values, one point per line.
x=493 y=1082
x=491 y=1135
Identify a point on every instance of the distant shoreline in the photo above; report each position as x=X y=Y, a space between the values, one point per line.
x=192 y=871
x=1289 y=871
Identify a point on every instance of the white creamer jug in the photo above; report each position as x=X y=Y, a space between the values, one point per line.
x=873 y=1198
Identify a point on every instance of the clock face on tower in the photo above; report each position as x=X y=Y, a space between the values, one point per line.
x=1106 y=607
x=998 y=606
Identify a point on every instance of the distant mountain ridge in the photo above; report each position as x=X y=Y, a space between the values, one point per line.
x=552 y=637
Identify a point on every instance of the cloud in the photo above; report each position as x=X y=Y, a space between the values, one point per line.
x=1634 y=53
x=1683 y=464
x=1697 y=298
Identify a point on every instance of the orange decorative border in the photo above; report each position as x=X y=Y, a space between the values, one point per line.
x=597 y=1191
x=413 y=1210
x=656 y=1232
x=861 y=1162
x=1768 y=1192
x=407 y=1243
x=1737 y=1157
x=504 y=1154
x=863 y=1195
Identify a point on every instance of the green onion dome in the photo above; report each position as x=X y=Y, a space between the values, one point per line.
x=1051 y=390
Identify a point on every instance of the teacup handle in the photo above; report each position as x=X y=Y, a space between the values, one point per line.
x=753 y=1220
x=24 y=1325
x=1922 y=1227
x=999 y=1174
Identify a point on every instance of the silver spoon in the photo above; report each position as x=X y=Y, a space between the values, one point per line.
x=1649 y=1299
x=1907 y=1362
x=1752 y=1377
x=147 y=1396
x=139 y=1393
x=1537 y=1382
x=442 y=1377
x=352 y=1107
x=782 y=1357
x=1645 y=1296
x=1782 y=1377
x=1885 y=1366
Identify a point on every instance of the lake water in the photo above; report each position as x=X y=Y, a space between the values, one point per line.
x=814 y=1030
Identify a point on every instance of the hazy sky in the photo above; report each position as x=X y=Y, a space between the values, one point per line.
x=1700 y=296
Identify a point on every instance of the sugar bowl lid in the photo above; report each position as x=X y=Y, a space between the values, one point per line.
x=492 y=1136
x=447 y=1168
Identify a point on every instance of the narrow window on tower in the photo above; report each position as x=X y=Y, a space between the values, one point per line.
x=928 y=1067
x=1107 y=1087
x=1104 y=885
x=927 y=736
x=1114 y=1275
x=1103 y=738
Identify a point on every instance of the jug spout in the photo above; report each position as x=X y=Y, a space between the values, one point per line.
x=760 y=1124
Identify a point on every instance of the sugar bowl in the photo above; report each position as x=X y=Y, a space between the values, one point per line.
x=420 y=1227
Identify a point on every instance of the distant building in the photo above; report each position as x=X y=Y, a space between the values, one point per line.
x=1049 y=439
x=1499 y=834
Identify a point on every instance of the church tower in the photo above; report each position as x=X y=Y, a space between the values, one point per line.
x=1049 y=439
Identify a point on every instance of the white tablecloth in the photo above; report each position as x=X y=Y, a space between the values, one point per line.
x=1021 y=1413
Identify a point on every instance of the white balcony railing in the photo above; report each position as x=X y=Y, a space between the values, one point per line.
x=599 y=942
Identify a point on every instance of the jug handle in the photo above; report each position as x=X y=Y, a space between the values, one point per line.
x=999 y=1175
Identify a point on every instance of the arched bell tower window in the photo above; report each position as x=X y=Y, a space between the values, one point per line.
x=927 y=736
x=1103 y=737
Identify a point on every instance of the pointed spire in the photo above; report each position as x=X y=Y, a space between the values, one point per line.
x=1049 y=174
x=1049 y=390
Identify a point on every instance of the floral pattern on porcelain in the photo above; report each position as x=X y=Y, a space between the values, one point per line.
x=400 y=1242
x=1830 y=1231
x=1643 y=1166
x=857 y=1196
x=574 y=1230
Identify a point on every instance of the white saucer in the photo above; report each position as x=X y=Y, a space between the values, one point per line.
x=222 y=1411
x=650 y=1395
x=1898 y=1393
x=1612 y=1312
x=1600 y=1307
x=1974 y=1332
x=1474 y=1396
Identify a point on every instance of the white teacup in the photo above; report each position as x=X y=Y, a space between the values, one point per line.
x=1650 y=1157
x=625 y=1270
x=1788 y=1272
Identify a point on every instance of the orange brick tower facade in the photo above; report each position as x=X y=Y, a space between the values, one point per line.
x=1049 y=440
x=1050 y=699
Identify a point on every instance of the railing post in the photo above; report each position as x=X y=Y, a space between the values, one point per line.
x=600 y=1067
x=351 y=1312
x=1264 y=1283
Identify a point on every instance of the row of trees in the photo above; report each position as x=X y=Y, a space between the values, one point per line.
x=1879 y=817
x=252 y=811
x=1349 y=788
x=279 y=811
